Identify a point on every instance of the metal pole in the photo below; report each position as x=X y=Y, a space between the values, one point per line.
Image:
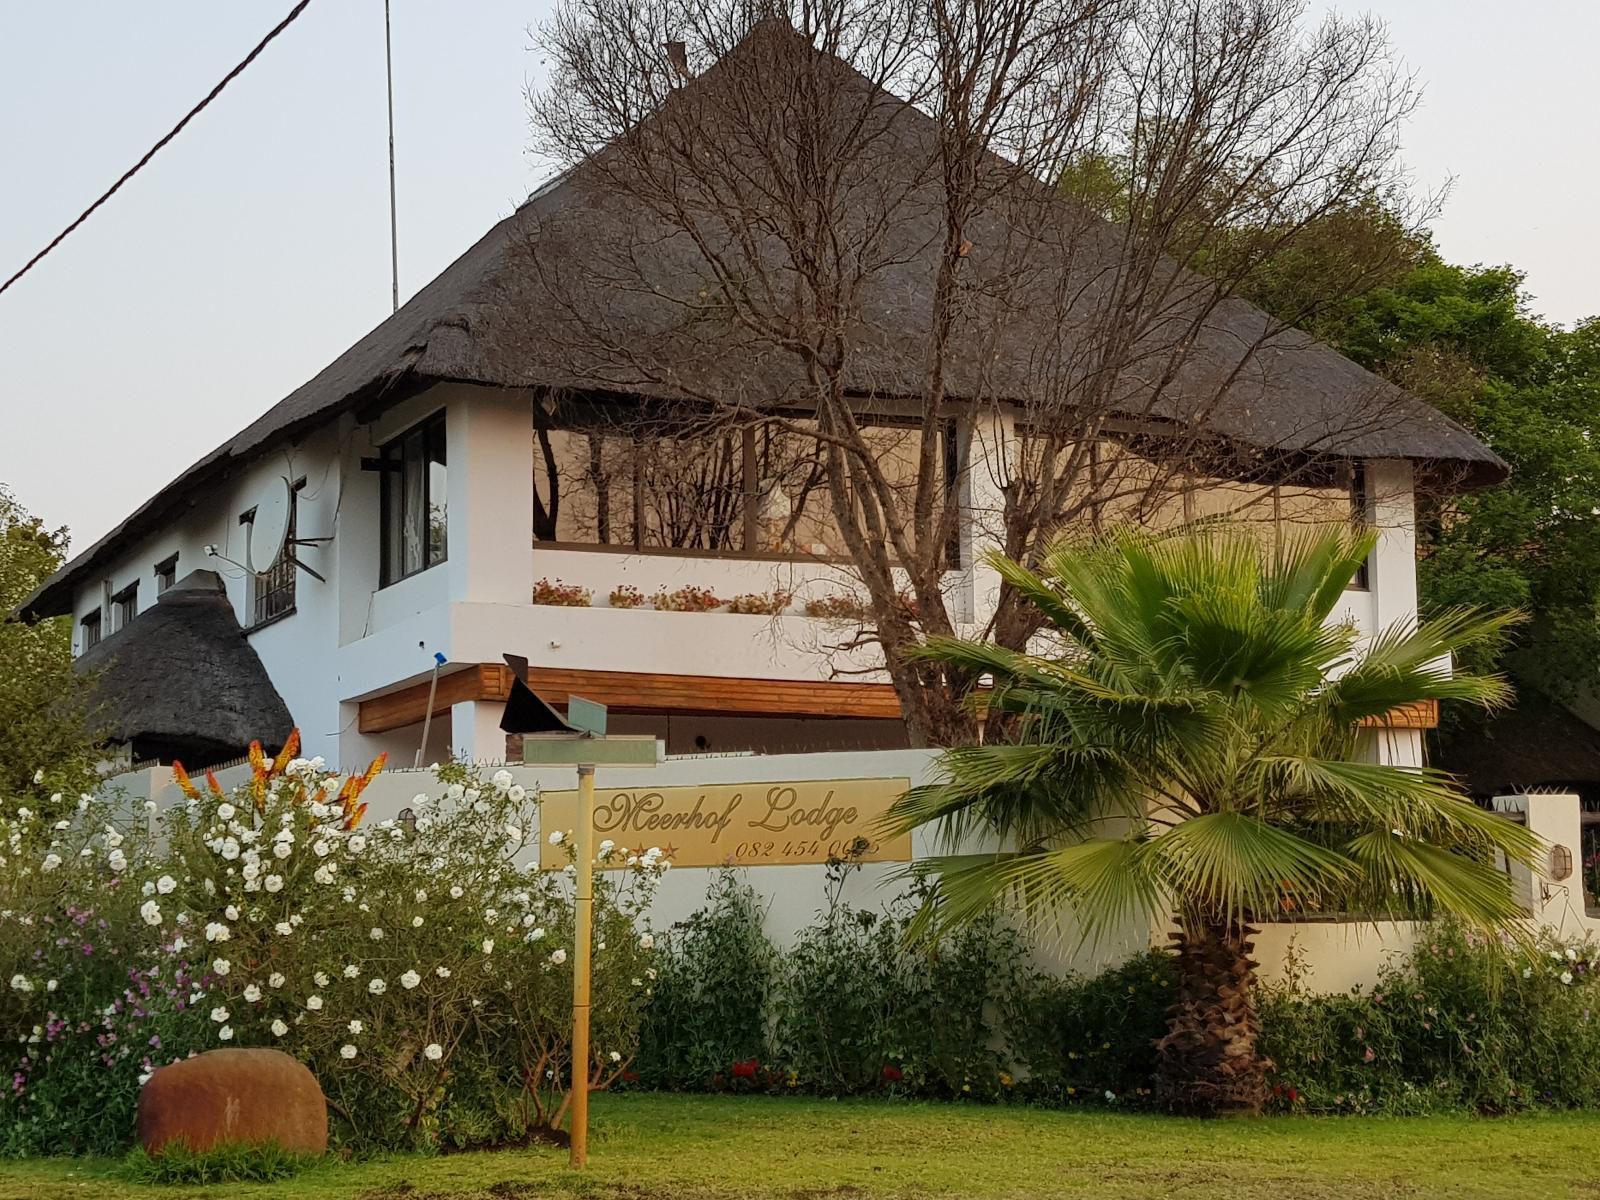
x=394 y=235
x=427 y=717
x=580 y=969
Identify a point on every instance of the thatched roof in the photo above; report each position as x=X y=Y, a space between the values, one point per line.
x=1537 y=743
x=181 y=681
x=532 y=304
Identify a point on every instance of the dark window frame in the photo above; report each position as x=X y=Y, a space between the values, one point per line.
x=1361 y=517
x=390 y=464
x=93 y=628
x=273 y=595
x=954 y=454
x=166 y=573
x=124 y=607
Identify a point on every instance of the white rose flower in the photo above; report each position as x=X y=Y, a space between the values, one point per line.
x=488 y=945
x=377 y=987
x=421 y=896
x=151 y=912
x=433 y=1052
x=616 y=1057
x=376 y=934
x=647 y=941
x=357 y=844
x=1566 y=977
x=455 y=792
x=410 y=980
x=416 y=922
x=221 y=966
x=51 y=862
x=321 y=849
x=225 y=1034
x=347 y=1051
x=501 y=780
x=231 y=912
x=323 y=874
x=226 y=811
x=282 y=850
x=606 y=847
x=356 y=1026
x=273 y=883
x=517 y=793
x=275 y=980
x=217 y=932
x=230 y=849
x=314 y=1003
x=252 y=992
x=279 y=1029
x=117 y=861
x=455 y=893
x=558 y=956
x=320 y=979
x=555 y=838
x=219 y=1014
x=21 y=983
x=351 y=970
x=442 y=972
x=283 y=929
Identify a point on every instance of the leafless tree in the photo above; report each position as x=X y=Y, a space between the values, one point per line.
x=822 y=216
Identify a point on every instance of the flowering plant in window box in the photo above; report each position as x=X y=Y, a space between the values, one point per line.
x=564 y=595
x=688 y=598
x=769 y=603
x=625 y=595
x=852 y=608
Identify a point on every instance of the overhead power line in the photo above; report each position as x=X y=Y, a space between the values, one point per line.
x=151 y=153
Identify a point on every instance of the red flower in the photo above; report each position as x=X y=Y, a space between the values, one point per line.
x=892 y=1074
x=746 y=1069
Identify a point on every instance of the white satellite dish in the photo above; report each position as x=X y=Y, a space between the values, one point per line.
x=269 y=529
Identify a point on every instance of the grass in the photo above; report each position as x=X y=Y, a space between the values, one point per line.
x=699 y=1148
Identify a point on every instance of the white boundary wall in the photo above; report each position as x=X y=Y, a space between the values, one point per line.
x=1338 y=955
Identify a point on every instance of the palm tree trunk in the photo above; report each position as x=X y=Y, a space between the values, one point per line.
x=1209 y=1063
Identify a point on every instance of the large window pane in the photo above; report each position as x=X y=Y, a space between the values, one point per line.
x=414 y=501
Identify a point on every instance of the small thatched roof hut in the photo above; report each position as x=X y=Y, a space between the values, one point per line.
x=181 y=682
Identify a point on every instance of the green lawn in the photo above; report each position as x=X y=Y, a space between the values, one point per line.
x=694 y=1147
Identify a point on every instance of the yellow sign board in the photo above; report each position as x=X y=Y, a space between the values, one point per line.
x=737 y=824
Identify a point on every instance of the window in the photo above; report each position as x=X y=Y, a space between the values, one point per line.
x=756 y=490
x=414 y=512
x=274 y=589
x=124 y=607
x=166 y=573
x=1361 y=517
x=91 y=631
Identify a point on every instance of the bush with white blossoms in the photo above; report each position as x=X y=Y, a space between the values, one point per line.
x=422 y=968
x=92 y=994
x=415 y=965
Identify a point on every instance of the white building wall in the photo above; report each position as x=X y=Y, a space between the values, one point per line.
x=349 y=638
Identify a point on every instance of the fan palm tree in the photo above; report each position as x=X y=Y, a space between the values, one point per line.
x=1197 y=744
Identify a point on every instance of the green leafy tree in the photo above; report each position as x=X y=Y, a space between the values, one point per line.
x=43 y=703
x=1192 y=747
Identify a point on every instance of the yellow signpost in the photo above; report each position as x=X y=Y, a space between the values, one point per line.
x=580 y=740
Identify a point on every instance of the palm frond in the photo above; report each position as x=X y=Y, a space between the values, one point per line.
x=1403 y=875
x=1233 y=864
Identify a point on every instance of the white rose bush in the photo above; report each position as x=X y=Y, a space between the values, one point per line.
x=419 y=967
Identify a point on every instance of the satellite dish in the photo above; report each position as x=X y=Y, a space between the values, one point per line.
x=270 y=527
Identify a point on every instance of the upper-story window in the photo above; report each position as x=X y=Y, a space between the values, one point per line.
x=1361 y=516
x=91 y=631
x=124 y=607
x=275 y=587
x=166 y=573
x=414 y=503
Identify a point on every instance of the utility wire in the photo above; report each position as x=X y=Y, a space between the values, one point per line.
x=151 y=153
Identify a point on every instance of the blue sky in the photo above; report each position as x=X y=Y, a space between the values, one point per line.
x=255 y=248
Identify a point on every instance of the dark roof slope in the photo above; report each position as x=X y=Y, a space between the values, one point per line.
x=181 y=681
x=528 y=306
x=1537 y=743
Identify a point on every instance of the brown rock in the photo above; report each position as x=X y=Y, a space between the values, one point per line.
x=234 y=1098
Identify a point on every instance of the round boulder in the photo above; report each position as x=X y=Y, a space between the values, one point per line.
x=234 y=1098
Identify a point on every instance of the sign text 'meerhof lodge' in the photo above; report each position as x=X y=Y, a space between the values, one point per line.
x=742 y=824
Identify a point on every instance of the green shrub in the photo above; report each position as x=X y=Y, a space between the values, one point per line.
x=709 y=1009
x=1092 y=1040
x=1463 y=1023
x=422 y=969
